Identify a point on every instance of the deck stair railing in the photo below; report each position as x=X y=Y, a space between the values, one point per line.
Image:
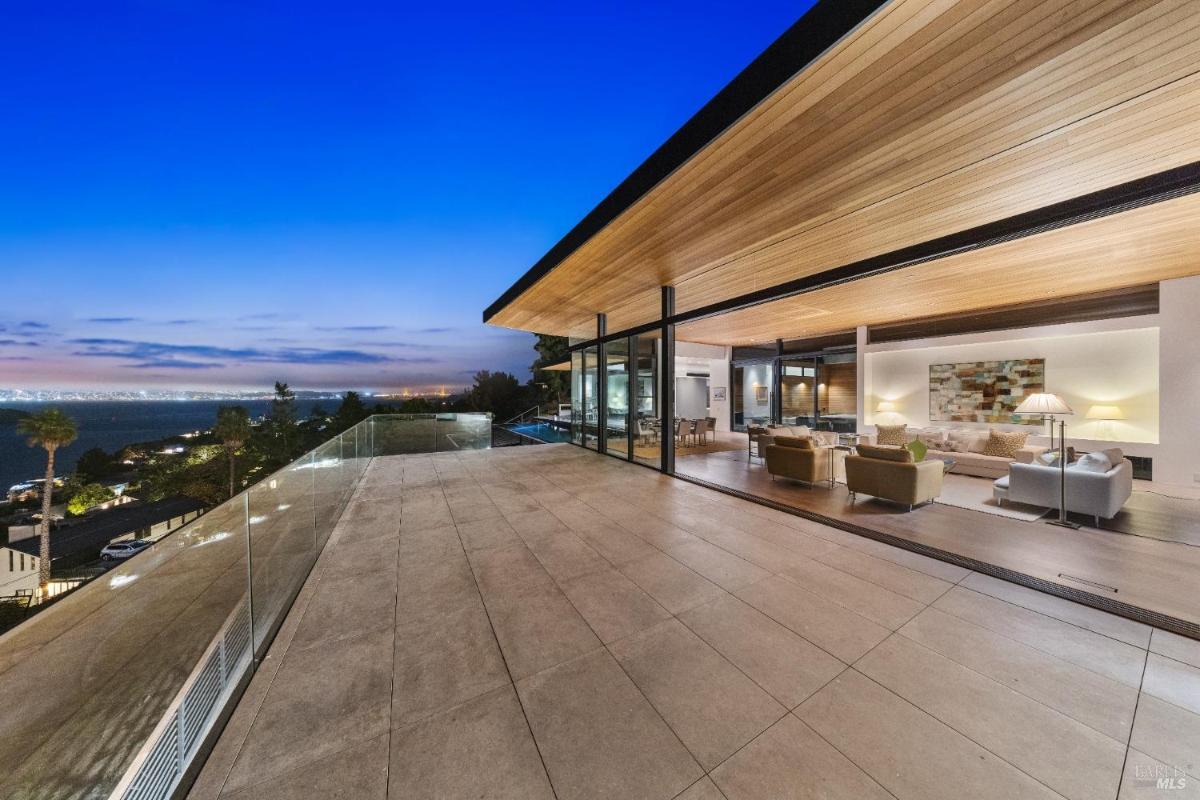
x=525 y=416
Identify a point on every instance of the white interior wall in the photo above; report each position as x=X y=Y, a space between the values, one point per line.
x=1179 y=324
x=1109 y=362
x=691 y=397
x=715 y=359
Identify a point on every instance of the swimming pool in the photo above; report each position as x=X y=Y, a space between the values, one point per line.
x=542 y=431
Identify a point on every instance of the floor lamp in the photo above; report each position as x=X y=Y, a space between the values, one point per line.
x=1051 y=405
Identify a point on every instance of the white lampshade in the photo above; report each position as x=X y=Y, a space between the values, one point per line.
x=885 y=407
x=1043 y=403
x=1105 y=412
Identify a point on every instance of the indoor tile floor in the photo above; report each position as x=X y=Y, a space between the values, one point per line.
x=537 y=622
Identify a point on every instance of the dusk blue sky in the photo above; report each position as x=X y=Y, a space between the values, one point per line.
x=220 y=195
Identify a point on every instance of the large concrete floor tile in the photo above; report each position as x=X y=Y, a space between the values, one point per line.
x=612 y=604
x=364 y=528
x=318 y=704
x=615 y=543
x=1168 y=733
x=1174 y=681
x=719 y=566
x=564 y=555
x=540 y=521
x=360 y=772
x=428 y=590
x=427 y=545
x=442 y=660
x=506 y=572
x=1125 y=630
x=903 y=581
x=425 y=516
x=1095 y=700
x=834 y=629
x=598 y=735
x=862 y=597
x=482 y=748
x=669 y=582
x=1117 y=660
x=471 y=505
x=538 y=628
x=347 y=606
x=654 y=530
x=1172 y=645
x=788 y=537
x=1148 y=778
x=487 y=533
x=708 y=702
x=361 y=557
x=768 y=555
x=911 y=754
x=791 y=762
x=789 y=667
x=950 y=573
x=1032 y=737
x=703 y=789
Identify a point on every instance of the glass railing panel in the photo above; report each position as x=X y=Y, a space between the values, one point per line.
x=111 y=690
x=328 y=481
x=399 y=434
x=283 y=542
x=402 y=434
x=86 y=682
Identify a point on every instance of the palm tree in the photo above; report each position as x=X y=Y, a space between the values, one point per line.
x=50 y=429
x=233 y=429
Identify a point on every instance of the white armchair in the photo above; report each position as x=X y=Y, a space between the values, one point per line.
x=1100 y=494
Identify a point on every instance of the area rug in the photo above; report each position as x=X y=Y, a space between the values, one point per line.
x=968 y=491
x=718 y=446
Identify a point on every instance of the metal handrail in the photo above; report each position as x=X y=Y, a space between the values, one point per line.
x=537 y=412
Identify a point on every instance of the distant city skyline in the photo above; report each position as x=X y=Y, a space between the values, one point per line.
x=213 y=195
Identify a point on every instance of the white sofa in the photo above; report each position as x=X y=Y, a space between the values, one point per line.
x=1100 y=494
x=965 y=448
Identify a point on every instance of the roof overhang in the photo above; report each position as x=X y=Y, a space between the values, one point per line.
x=864 y=131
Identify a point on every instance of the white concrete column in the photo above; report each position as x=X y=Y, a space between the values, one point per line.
x=1178 y=382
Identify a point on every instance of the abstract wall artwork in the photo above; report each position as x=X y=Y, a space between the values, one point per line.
x=984 y=391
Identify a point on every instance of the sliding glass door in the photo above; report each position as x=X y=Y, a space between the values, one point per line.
x=647 y=437
x=798 y=392
x=617 y=404
x=837 y=392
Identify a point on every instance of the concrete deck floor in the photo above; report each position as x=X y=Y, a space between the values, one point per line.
x=546 y=622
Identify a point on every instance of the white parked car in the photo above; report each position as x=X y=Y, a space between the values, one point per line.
x=122 y=550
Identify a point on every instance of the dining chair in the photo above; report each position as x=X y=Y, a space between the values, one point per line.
x=683 y=429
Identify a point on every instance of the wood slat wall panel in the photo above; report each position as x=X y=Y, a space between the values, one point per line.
x=931 y=118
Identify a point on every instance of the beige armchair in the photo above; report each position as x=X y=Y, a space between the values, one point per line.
x=890 y=473
x=797 y=458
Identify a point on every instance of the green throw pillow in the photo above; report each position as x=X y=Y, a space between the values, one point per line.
x=918 y=449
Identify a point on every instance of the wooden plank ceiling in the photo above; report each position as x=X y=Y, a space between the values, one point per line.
x=1142 y=246
x=933 y=117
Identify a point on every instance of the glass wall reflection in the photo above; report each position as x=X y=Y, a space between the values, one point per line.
x=617 y=406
